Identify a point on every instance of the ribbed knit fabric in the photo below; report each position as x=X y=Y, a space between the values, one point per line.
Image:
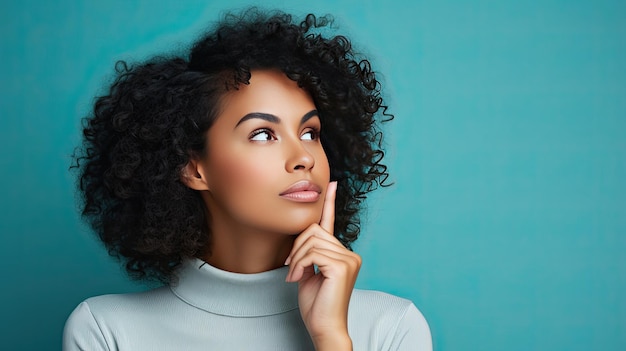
x=211 y=309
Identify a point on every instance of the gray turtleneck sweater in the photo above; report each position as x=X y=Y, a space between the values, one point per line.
x=211 y=309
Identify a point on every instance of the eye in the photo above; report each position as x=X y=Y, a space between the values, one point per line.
x=310 y=134
x=262 y=135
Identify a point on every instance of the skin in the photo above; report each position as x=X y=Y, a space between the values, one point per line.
x=265 y=140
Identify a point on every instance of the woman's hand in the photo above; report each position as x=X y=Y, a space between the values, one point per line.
x=324 y=296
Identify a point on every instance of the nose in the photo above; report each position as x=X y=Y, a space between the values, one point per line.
x=299 y=158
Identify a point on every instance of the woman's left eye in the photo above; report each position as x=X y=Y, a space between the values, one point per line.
x=310 y=135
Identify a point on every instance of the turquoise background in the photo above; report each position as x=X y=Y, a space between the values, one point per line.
x=507 y=221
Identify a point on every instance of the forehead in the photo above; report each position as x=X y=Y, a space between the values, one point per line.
x=269 y=91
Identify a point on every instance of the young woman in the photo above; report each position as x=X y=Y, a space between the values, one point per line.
x=235 y=177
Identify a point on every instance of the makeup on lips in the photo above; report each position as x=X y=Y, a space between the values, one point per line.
x=302 y=191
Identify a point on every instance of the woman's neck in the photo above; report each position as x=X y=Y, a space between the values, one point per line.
x=244 y=252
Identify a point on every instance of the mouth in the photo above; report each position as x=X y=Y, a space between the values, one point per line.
x=302 y=191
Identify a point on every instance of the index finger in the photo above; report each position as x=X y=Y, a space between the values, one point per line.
x=328 y=212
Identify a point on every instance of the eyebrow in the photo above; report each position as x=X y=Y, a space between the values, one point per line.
x=273 y=118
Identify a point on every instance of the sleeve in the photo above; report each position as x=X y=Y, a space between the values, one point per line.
x=82 y=332
x=412 y=333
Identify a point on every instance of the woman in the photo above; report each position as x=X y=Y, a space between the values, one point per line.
x=235 y=177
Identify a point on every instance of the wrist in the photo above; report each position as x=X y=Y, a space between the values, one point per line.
x=336 y=342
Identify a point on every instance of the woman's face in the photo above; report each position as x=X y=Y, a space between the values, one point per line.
x=264 y=165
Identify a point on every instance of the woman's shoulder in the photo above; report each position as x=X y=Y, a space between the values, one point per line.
x=387 y=320
x=93 y=324
x=128 y=305
x=126 y=301
x=382 y=305
x=379 y=299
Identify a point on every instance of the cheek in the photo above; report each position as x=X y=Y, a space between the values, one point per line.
x=321 y=162
x=239 y=171
x=245 y=185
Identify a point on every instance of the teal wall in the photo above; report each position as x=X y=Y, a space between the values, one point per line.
x=507 y=221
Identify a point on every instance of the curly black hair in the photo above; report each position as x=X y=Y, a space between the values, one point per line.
x=155 y=116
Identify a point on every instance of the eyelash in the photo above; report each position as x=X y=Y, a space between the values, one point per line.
x=261 y=131
x=315 y=133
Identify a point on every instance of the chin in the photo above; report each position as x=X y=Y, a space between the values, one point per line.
x=296 y=228
x=297 y=224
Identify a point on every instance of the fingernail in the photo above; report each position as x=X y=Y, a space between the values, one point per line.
x=288 y=260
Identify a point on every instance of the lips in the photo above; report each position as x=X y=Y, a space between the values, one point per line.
x=302 y=191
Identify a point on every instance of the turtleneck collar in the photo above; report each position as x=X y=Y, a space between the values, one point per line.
x=234 y=294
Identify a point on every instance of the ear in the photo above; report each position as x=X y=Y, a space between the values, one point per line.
x=194 y=176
